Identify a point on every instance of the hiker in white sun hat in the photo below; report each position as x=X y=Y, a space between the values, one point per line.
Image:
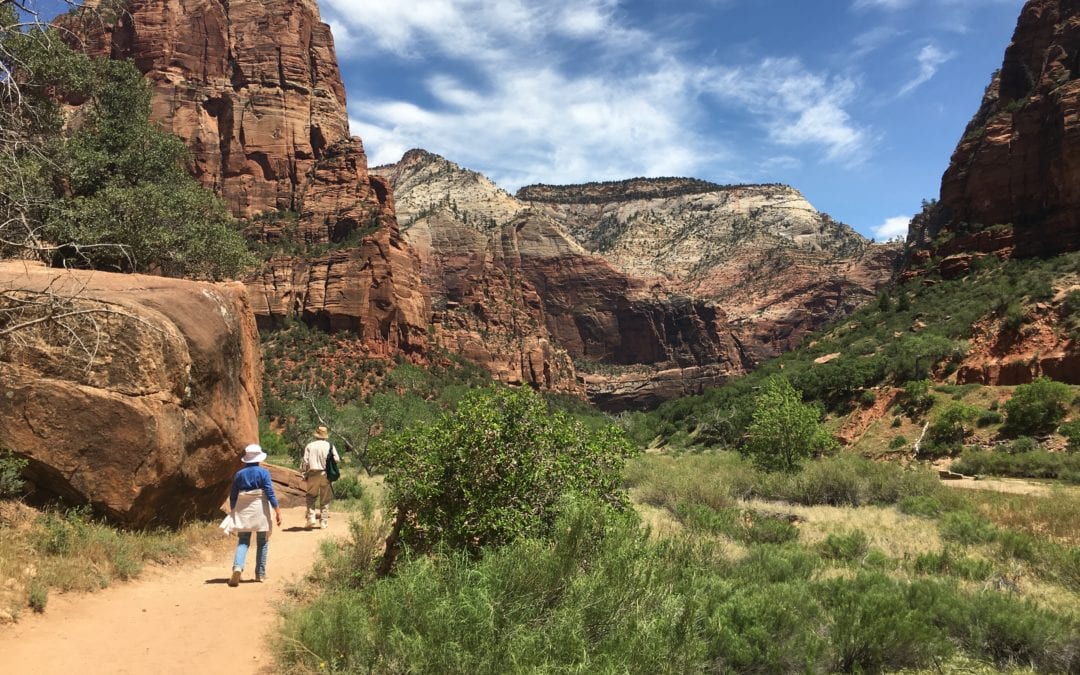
x=318 y=454
x=250 y=500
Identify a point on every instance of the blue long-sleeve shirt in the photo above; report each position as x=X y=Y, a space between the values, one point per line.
x=252 y=477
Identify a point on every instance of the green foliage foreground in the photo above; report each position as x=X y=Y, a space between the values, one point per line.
x=99 y=186
x=492 y=470
x=601 y=596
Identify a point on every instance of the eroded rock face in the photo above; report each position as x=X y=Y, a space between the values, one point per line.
x=655 y=288
x=253 y=89
x=143 y=404
x=1013 y=184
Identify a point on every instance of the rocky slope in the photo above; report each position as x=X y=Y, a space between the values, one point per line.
x=778 y=267
x=637 y=281
x=1013 y=184
x=132 y=393
x=1012 y=189
x=253 y=88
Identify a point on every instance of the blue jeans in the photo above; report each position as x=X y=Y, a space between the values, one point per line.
x=262 y=548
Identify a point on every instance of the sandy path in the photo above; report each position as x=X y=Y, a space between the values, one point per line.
x=182 y=619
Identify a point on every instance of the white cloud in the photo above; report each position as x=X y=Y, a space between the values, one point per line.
x=892 y=228
x=501 y=95
x=930 y=58
x=546 y=127
x=797 y=106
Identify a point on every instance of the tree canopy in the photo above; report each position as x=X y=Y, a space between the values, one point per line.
x=87 y=179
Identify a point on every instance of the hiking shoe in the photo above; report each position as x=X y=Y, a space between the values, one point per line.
x=234 y=580
x=310 y=525
x=260 y=579
x=324 y=525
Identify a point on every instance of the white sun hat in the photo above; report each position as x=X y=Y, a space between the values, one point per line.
x=253 y=454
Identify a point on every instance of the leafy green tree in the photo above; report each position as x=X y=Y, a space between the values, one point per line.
x=952 y=424
x=493 y=470
x=1071 y=431
x=784 y=430
x=98 y=185
x=917 y=397
x=1036 y=408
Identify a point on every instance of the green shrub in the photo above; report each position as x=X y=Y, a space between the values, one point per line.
x=1037 y=464
x=11 y=469
x=38 y=596
x=494 y=469
x=951 y=425
x=950 y=563
x=897 y=442
x=847 y=547
x=348 y=487
x=785 y=432
x=966 y=528
x=765 y=530
x=1017 y=545
x=988 y=418
x=1036 y=408
x=921 y=505
x=875 y=627
x=1071 y=431
x=917 y=397
x=896 y=421
x=1022 y=445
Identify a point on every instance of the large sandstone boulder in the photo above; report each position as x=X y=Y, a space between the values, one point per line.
x=135 y=394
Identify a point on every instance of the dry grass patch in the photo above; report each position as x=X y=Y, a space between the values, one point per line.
x=69 y=551
x=1055 y=516
x=895 y=534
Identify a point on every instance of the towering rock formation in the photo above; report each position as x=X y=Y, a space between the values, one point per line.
x=253 y=88
x=778 y=267
x=634 y=280
x=1013 y=185
x=654 y=288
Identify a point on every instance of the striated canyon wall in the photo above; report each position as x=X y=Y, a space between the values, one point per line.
x=1013 y=184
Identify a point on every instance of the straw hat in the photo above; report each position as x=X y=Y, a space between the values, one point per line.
x=322 y=433
x=253 y=454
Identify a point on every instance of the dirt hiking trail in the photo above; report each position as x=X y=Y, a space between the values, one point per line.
x=180 y=619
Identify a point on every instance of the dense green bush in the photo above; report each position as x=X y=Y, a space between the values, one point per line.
x=1036 y=408
x=921 y=505
x=11 y=470
x=949 y=428
x=966 y=528
x=715 y=479
x=784 y=431
x=604 y=597
x=103 y=186
x=1036 y=464
x=492 y=470
x=949 y=562
x=848 y=547
x=1071 y=431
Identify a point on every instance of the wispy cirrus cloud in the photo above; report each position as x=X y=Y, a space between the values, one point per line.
x=507 y=94
x=797 y=106
x=930 y=58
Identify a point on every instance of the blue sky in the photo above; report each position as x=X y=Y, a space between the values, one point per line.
x=857 y=103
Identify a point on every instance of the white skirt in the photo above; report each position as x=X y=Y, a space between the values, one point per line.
x=251 y=514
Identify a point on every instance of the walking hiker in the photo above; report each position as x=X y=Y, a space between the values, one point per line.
x=250 y=500
x=313 y=468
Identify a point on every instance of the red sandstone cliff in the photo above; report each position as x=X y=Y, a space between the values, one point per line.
x=1013 y=184
x=253 y=88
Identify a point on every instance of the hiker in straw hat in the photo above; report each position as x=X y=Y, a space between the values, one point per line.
x=250 y=500
x=313 y=468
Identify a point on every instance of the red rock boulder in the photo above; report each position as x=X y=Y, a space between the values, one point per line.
x=134 y=394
